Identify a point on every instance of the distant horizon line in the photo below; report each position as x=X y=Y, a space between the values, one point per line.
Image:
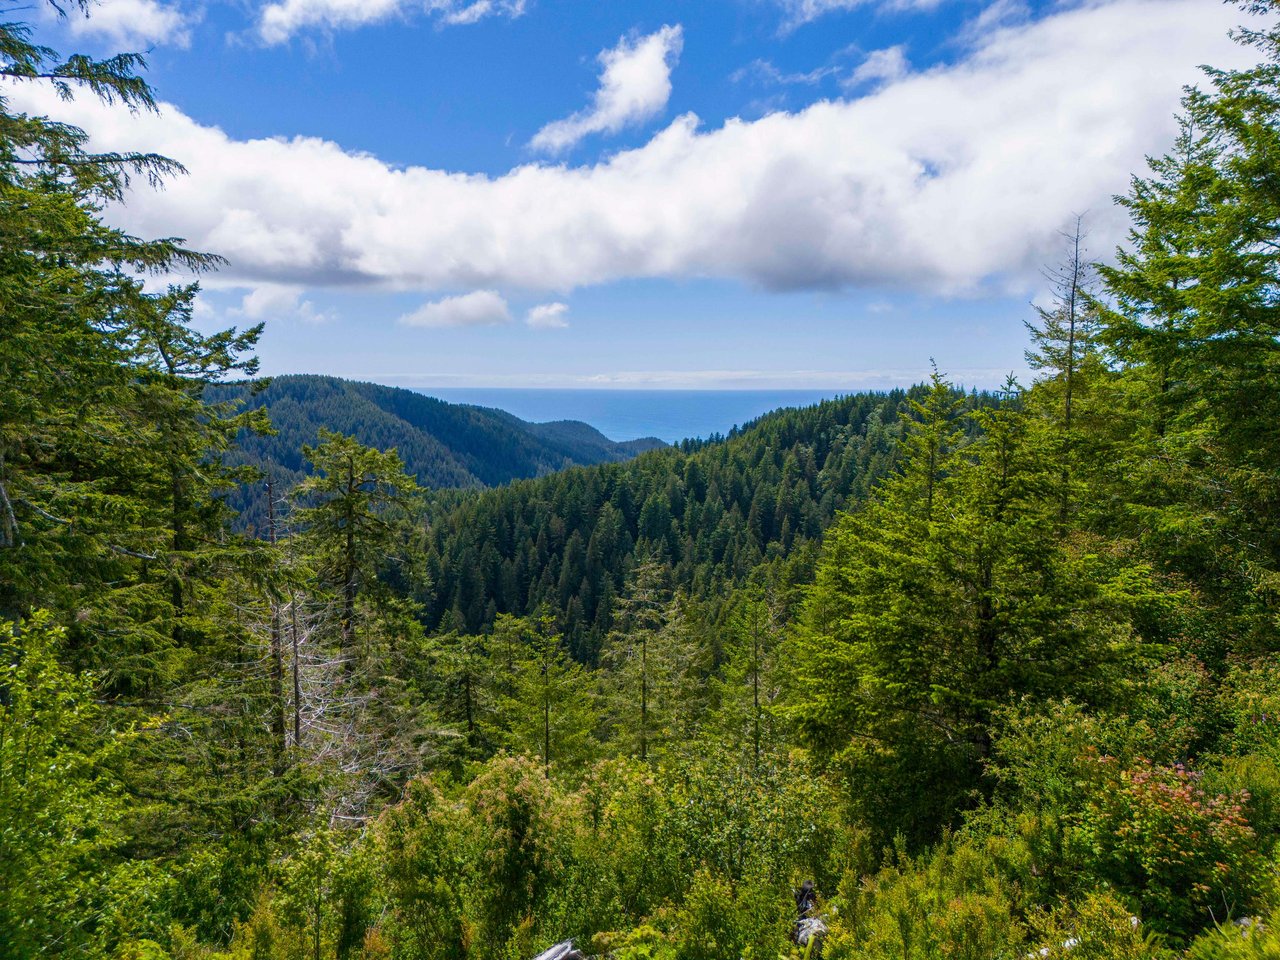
x=965 y=379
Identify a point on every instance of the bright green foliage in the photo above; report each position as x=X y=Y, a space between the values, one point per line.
x=749 y=687
x=1194 y=325
x=463 y=672
x=65 y=889
x=514 y=861
x=1028 y=707
x=1181 y=856
x=954 y=904
x=650 y=667
x=418 y=845
x=1254 y=941
x=639 y=677
x=521 y=829
x=1098 y=927
x=1086 y=809
x=53 y=807
x=777 y=824
x=1045 y=771
x=723 y=919
x=551 y=711
x=1248 y=704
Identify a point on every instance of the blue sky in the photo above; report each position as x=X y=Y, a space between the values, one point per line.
x=721 y=193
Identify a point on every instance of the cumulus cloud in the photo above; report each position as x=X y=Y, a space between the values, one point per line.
x=952 y=180
x=135 y=24
x=880 y=66
x=548 y=316
x=635 y=85
x=270 y=301
x=281 y=19
x=481 y=308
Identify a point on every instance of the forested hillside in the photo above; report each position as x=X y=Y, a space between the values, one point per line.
x=442 y=444
x=710 y=514
x=958 y=677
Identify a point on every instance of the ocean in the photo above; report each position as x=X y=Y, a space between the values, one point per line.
x=669 y=415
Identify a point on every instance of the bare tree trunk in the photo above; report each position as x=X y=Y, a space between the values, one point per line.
x=277 y=649
x=1075 y=279
x=297 y=684
x=755 y=689
x=546 y=717
x=644 y=696
x=349 y=580
x=8 y=519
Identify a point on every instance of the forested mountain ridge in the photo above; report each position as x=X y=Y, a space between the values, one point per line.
x=442 y=444
x=711 y=512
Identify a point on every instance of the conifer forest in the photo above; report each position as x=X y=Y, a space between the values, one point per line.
x=922 y=674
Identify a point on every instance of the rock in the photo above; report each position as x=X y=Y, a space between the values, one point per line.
x=561 y=951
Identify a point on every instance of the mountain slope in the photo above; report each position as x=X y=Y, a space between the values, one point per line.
x=443 y=444
x=711 y=512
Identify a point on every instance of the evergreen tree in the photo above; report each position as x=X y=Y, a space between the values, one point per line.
x=1064 y=352
x=343 y=512
x=748 y=689
x=551 y=712
x=1192 y=322
x=952 y=592
x=636 y=672
x=78 y=525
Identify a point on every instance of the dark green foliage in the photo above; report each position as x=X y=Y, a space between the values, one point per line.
x=953 y=592
x=1193 y=322
x=443 y=444
x=712 y=516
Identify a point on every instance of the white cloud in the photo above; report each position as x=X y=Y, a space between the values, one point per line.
x=134 y=24
x=635 y=86
x=797 y=12
x=765 y=73
x=548 y=316
x=281 y=19
x=271 y=301
x=880 y=66
x=481 y=308
x=997 y=14
x=454 y=13
x=950 y=180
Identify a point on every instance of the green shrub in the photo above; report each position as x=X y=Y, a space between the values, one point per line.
x=1098 y=927
x=1253 y=941
x=1180 y=856
x=423 y=867
x=722 y=919
x=954 y=904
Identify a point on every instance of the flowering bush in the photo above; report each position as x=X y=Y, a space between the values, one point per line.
x=1183 y=858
